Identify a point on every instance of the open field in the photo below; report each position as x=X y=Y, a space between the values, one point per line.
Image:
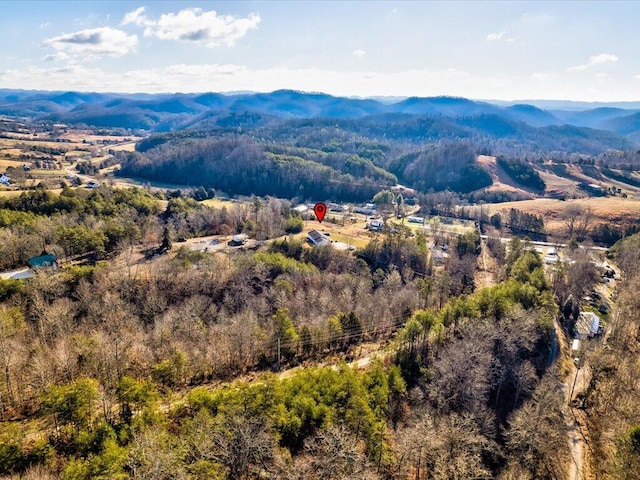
x=124 y=147
x=9 y=163
x=15 y=193
x=7 y=151
x=87 y=135
x=615 y=210
x=217 y=203
x=501 y=180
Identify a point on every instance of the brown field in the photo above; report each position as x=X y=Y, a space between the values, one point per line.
x=614 y=210
x=557 y=184
x=10 y=143
x=501 y=180
x=110 y=169
x=10 y=163
x=80 y=135
x=10 y=152
x=15 y=193
x=125 y=147
x=217 y=203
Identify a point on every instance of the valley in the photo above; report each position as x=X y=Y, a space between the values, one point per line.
x=188 y=286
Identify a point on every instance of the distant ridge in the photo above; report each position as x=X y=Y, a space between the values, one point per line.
x=174 y=111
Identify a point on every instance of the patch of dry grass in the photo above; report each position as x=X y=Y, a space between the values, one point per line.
x=615 y=210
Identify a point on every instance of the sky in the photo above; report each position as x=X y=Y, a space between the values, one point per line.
x=583 y=51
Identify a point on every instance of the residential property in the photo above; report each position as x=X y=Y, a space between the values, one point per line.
x=93 y=184
x=375 y=224
x=318 y=239
x=438 y=256
x=4 y=180
x=587 y=326
x=44 y=261
x=364 y=210
x=404 y=191
x=335 y=207
x=238 y=240
x=551 y=256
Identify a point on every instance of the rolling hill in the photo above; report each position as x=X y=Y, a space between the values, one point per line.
x=162 y=112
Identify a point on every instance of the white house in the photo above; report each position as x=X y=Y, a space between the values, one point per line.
x=318 y=239
x=375 y=224
x=587 y=325
x=237 y=240
x=4 y=180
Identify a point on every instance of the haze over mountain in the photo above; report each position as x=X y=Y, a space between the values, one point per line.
x=165 y=112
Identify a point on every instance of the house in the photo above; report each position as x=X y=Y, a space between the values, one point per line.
x=439 y=257
x=375 y=224
x=238 y=240
x=587 y=325
x=44 y=261
x=318 y=239
x=404 y=191
x=334 y=207
x=415 y=219
x=4 y=180
x=364 y=210
x=93 y=184
x=551 y=256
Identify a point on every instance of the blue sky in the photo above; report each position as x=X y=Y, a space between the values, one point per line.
x=521 y=50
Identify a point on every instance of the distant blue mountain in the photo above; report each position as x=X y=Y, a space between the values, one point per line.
x=164 y=112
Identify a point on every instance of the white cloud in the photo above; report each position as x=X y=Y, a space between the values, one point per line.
x=540 y=76
x=232 y=77
x=44 y=25
x=136 y=16
x=94 y=42
x=195 y=25
x=637 y=77
x=58 y=56
x=359 y=53
x=594 y=61
x=496 y=36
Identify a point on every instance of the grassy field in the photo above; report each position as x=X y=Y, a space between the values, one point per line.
x=124 y=147
x=9 y=163
x=614 y=210
x=15 y=193
x=80 y=135
x=217 y=203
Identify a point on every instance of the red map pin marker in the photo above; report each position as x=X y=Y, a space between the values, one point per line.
x=320 y=209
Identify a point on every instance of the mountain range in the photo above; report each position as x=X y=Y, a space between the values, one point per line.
x=167 y=112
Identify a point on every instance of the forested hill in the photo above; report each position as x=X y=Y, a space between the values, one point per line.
x=166 y=112
x=335 y=168
x=349 y=159
x=240 y=165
